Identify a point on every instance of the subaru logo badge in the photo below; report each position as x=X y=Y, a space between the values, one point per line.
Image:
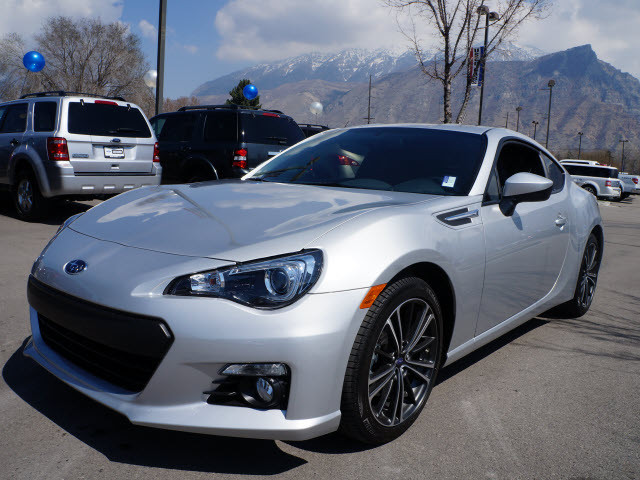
x=74 y=267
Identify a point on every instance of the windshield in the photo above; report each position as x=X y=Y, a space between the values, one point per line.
x=107 y=120
x=403 y=159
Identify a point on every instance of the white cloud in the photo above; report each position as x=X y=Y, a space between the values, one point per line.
x=147 y=29
x=274 y=29
x=26 y=16
x=192 y=49
x=262 y=30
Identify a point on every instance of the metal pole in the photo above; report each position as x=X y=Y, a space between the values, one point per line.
x=580 y=144
x=162 y=30
x=535 y=127
x=506 y=124
x=622 y=161
x=369 y=104
x=484 y=66
x=518 y=109
x=551 y=84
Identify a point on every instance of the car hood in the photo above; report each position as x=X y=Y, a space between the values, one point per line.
x=230 y=220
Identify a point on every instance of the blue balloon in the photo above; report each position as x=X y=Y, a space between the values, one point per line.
x=250 y=91
x=33 y=61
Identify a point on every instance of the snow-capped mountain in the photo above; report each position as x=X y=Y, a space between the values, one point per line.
x=351 y=65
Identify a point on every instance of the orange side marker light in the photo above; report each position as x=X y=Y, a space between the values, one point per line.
x=372 y=295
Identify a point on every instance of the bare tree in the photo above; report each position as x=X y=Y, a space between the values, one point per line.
x=457 y=26
x=171 y=105
x=83 y=55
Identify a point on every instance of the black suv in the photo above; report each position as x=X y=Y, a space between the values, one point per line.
x=207 y=142
x=310 y=129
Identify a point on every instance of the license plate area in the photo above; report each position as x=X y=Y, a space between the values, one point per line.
x=113 y=152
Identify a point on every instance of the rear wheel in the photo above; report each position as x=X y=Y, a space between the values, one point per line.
x=393 y=364
x=587 y=281
x=29 y=202
x=590 y=189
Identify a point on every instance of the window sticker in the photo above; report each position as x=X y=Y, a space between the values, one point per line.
x=448 y=181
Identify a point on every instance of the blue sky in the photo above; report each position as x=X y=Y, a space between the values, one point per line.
x=210 y=38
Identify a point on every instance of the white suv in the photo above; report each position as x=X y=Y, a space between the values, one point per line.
x=599 y=180
x=73 y=145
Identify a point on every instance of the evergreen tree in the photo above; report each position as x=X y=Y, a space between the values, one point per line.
x=238 y=98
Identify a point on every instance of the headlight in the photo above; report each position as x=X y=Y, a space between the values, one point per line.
x=266 y=284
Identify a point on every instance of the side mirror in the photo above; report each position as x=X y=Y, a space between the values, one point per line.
x=524 y=187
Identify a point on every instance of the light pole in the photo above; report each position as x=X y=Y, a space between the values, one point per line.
x=484 y=10
x=535 y=127
x=162 y=30
x=580 y=144
x=506 y=123
x=551 y=83
x=518 y=109
x=622 y=161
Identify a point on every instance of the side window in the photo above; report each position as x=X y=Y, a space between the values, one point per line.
x=15 y=119
x=221 y=127
x=177 y=128
x=44 y=116
x=157 y=124
x=515 y=158
x=554 y=173
x=2 y=112
x=493 y=189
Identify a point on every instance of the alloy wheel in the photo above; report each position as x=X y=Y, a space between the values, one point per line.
x=403 y=362
x=588 y=275
x=25 y=195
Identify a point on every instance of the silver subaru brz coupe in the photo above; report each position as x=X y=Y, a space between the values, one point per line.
x=323 y=291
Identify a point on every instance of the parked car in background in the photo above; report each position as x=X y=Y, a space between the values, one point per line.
x=69 y=145
x=627 y=185
x=208 y=142
x=324 y=290
x=634 y=179
x=599 y=180
x=310 y=129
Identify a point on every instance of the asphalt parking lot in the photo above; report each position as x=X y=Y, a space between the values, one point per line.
x=553 y=399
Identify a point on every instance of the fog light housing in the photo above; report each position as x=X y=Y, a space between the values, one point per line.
x=258 y=385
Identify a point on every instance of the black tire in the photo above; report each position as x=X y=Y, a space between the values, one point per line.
x=398 y=374
x=27 y=198
x=590 y=189
x=587 y=277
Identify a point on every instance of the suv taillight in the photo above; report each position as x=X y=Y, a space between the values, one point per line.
x=57 y=149
x=240 y=158
x=607 y=183
x=635 y=180
x=156 y=152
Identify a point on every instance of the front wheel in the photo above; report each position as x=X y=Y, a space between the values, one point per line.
x=393 y=363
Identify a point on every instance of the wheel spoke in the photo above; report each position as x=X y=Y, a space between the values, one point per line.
x=418 y=363
x=422 y=325
x=400 y=336
x=385 y=397
x=398 y=403
x=420 y=347
x=381 y=375
x=381 y=385
x=411 y=396
x=417 y=372
x=393 y=333
x=386 y=355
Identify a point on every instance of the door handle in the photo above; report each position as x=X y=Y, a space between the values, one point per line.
x=14 y=142
x=561 y=221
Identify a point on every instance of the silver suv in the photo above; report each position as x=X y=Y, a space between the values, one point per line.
x=73 y=145
x=599 y=180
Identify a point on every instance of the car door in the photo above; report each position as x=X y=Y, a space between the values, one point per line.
x=174 y=133
x=524 y=252
x=13 y=123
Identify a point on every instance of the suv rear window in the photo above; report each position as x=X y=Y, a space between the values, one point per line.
x=269 y=128
x=589 y=171
x=44 y=116
x=107 y=120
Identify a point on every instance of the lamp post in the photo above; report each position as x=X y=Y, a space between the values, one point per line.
x=535 y=127
x=551 y=84
x=484 y=10
x=506 y=123
x=162 y=30
x=518 y=109
x=580 y=144
x=622 y=161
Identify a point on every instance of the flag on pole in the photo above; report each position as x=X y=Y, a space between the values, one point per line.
x=476 y=69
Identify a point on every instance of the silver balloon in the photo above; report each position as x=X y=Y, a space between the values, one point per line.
x=316 y=108
x=150 y=78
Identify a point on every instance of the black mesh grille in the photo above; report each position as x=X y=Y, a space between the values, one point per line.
x=121 y=348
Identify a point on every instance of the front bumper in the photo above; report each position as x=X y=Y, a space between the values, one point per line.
x=313 y=337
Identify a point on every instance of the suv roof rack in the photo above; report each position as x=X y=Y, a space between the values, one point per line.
x=63 y=93
x=313 y=125
x=230 y=106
